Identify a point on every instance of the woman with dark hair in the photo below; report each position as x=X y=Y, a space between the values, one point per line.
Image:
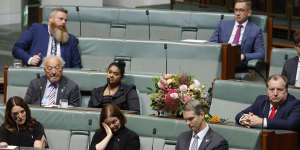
x=115 y=92
x=113 y=135
x=19 y=128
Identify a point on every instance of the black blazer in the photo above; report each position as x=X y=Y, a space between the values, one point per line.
x=290 y=70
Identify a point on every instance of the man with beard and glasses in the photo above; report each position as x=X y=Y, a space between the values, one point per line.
x=48 y=90
x=42 y=40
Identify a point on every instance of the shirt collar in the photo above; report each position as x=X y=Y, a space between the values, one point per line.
x=202 y=133
x=244 y=24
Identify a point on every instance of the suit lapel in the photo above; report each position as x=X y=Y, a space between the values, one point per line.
x=229 y=31
x=43 y=87
x=61 y=88
x=188 y=141
x=246 y=31
x=45 y=41
x=206 y=140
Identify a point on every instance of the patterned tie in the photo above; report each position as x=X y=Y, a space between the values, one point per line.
x=52 y=99
x=272 y=112
x=53 y=47
x=237 y=35
x=195 y=143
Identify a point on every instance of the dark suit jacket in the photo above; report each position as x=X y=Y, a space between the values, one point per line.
x=290 y=70
x=35 y=40
x=211 y=141
x=67 y=89
x=252 y=43
x=287 y=116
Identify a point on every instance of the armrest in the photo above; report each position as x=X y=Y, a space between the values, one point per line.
x=255 y=63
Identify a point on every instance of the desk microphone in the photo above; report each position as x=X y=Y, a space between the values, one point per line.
x=166 y=55
x=15 y=117
x=153 y=134
x=264 y=113
x=78 y=14
x=286 y=57
x=38 y=76
x=149 y=25
x=221 y=19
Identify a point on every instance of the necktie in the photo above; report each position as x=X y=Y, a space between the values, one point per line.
x=52 y=99
x=272 y=112
x=237 y=35
x=195 y=143
x=53 y=47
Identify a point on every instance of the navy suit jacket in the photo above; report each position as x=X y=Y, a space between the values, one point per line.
x=35 y=40
x=252 y=43
x=290 y=70
x=287 y=116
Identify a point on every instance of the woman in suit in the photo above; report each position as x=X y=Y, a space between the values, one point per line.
x=115 y=92
x=19 y=128
x=113 y=135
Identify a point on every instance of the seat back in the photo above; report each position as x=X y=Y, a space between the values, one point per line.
x=278 y=58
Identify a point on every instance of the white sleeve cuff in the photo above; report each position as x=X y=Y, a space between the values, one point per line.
x=29 y=60
x=265 y=123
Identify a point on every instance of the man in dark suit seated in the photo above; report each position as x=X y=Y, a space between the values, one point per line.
x=50 y=89
x=201 y=137
x=276 y=110
x=42 y=40
x=241 y=32
x=291 y=68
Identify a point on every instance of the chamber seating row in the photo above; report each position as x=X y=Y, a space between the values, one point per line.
x=236 y=96
x=87 y=80
x=203 y=60
x=73 y=129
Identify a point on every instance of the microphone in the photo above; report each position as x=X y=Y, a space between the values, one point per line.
x=153 y=134
x=38 y=75
x=108 y=81
x=166 y=55
x=286 y=57
x=149 y=25
x=78 y=14
x=264 y=113
x=221 y=19
x=15 y=117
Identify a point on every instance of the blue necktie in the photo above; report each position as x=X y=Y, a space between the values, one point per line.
x=195 y=143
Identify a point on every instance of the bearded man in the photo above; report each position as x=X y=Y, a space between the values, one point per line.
x=42 y=40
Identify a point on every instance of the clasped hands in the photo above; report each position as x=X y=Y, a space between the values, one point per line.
x=251 y=120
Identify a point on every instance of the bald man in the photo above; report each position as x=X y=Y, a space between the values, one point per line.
x=49 y=89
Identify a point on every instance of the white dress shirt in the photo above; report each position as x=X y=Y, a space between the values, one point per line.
x=201 y=135
x=297 y=81
x=234 y=32
x=45 y=100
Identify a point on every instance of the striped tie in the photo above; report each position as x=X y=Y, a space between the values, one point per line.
x=53 y=47
x=52 y=98
x=195 y=143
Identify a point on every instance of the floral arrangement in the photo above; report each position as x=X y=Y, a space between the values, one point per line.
x=173 y=91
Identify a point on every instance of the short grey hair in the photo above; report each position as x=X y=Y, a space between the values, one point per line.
x=193 y=105
x=45 y=60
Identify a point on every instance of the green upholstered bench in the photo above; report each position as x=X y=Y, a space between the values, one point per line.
x=278 y=57
x=201 y=60
x=66 y=127
x=236 y=96
x=87 y=80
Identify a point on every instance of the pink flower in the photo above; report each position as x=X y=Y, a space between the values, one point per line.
x=168 y=95
x=183 y=88
x=197 y=84
x=174 y=95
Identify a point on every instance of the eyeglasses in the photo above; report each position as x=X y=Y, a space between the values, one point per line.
x=49 y=68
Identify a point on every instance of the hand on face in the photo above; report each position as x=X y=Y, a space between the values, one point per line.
x=53 y=69
x=18 y=114
x=107 y=129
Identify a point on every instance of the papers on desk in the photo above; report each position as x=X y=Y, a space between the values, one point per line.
x=8 y=147
x=194 y=41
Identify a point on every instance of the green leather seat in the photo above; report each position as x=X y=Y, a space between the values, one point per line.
x=279 y=57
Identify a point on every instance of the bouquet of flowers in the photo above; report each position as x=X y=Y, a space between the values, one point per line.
x=173 y=91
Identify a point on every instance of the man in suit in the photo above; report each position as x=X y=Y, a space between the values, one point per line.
x=241 y=32
x=50 y=89
x=276 y=110
x=291 y=68
x=42 y=40
x=201 y=137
